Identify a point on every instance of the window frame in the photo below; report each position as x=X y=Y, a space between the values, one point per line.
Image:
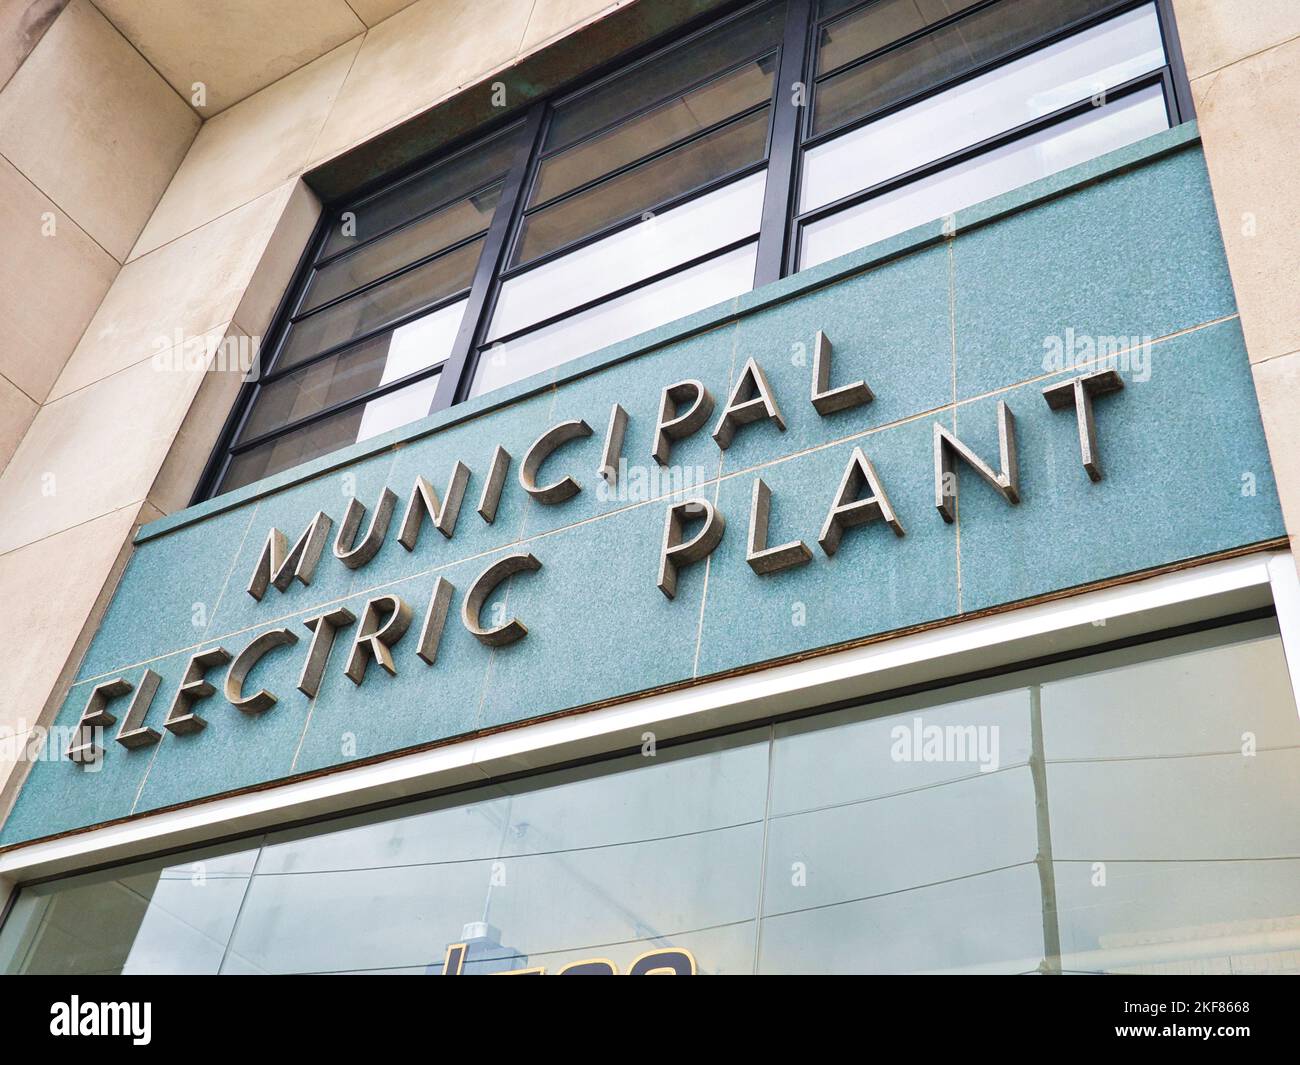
x=789 y=136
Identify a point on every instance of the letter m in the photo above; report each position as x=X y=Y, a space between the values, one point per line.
x=277 y=567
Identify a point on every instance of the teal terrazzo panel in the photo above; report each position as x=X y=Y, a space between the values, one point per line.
x=236 y=749
x=291 y=511
x=1136 y=255
x=637 y=386
x=1185 y=473
x=433 y=458
x=60 y=795
x=889 y=326
x=421 y=703
x=165 y=598
x=875 y=582
x=598 y=626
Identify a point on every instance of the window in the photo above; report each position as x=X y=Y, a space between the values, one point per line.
x=774 y=139
x=1101 y=814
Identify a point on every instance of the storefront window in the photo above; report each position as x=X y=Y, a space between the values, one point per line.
x=781 y=136
x=1131 y=811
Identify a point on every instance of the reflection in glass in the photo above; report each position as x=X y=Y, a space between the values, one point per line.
x=630 y=255
x=335 y=431
x=424 y=237
x=637 y=190
x=1179 y=776
x=374 y=308
x=664 y=125
x=607 y=861
x=618 y=319
x=429 y=190
x=355 y=371
x=872 y=27
x=667 y=75
x=942 y=848
x=1049 y=151
x=144 y=918
x=983 y=37
x=1055 y=77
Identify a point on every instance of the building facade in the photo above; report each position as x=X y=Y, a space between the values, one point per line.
x=669 y=486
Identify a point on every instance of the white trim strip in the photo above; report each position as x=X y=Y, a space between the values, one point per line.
x=1089 y=618
x=1286 y=600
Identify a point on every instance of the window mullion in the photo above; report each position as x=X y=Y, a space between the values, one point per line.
x=474 y=324
x=783 y=154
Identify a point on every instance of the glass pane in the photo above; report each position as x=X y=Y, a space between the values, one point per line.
x=647 y=248
x=375 y=307
x=329 y=434
x=647 y=133
x=663 y=301
x=1002 y=99
x=373 y=261
x=144 y=918
x=666 y=75
x=355 y=371
x=604 y=861
x=452 y=179
x=1175 y=809
x=893 y=841
x=1000 y=170
x=877 y=25
x=937 y=57
x=635 y=191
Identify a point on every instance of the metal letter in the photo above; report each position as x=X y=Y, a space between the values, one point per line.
x=1078 y=393
x=83 y=748
x=482 y=589
x=947 y=448
x=847 y=510
x=613 y=444
x=751 y=401
x=424 y=500
x=549 y=441
x=324 y=627
x=761 y=558
x=435 y=620
x=276 y=567
x=676 y=553
x=675 y=425
x=666 y=961
x=829 y=400
x=243 y=665
x=181 y=719
x=375 y=637
x=358 y=556
x=134 y=732
x=496 y=480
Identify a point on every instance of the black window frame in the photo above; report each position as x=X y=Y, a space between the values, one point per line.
x=789 y=135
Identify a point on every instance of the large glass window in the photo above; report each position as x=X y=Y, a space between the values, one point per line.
x=780 y=136
x=1131 y=811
